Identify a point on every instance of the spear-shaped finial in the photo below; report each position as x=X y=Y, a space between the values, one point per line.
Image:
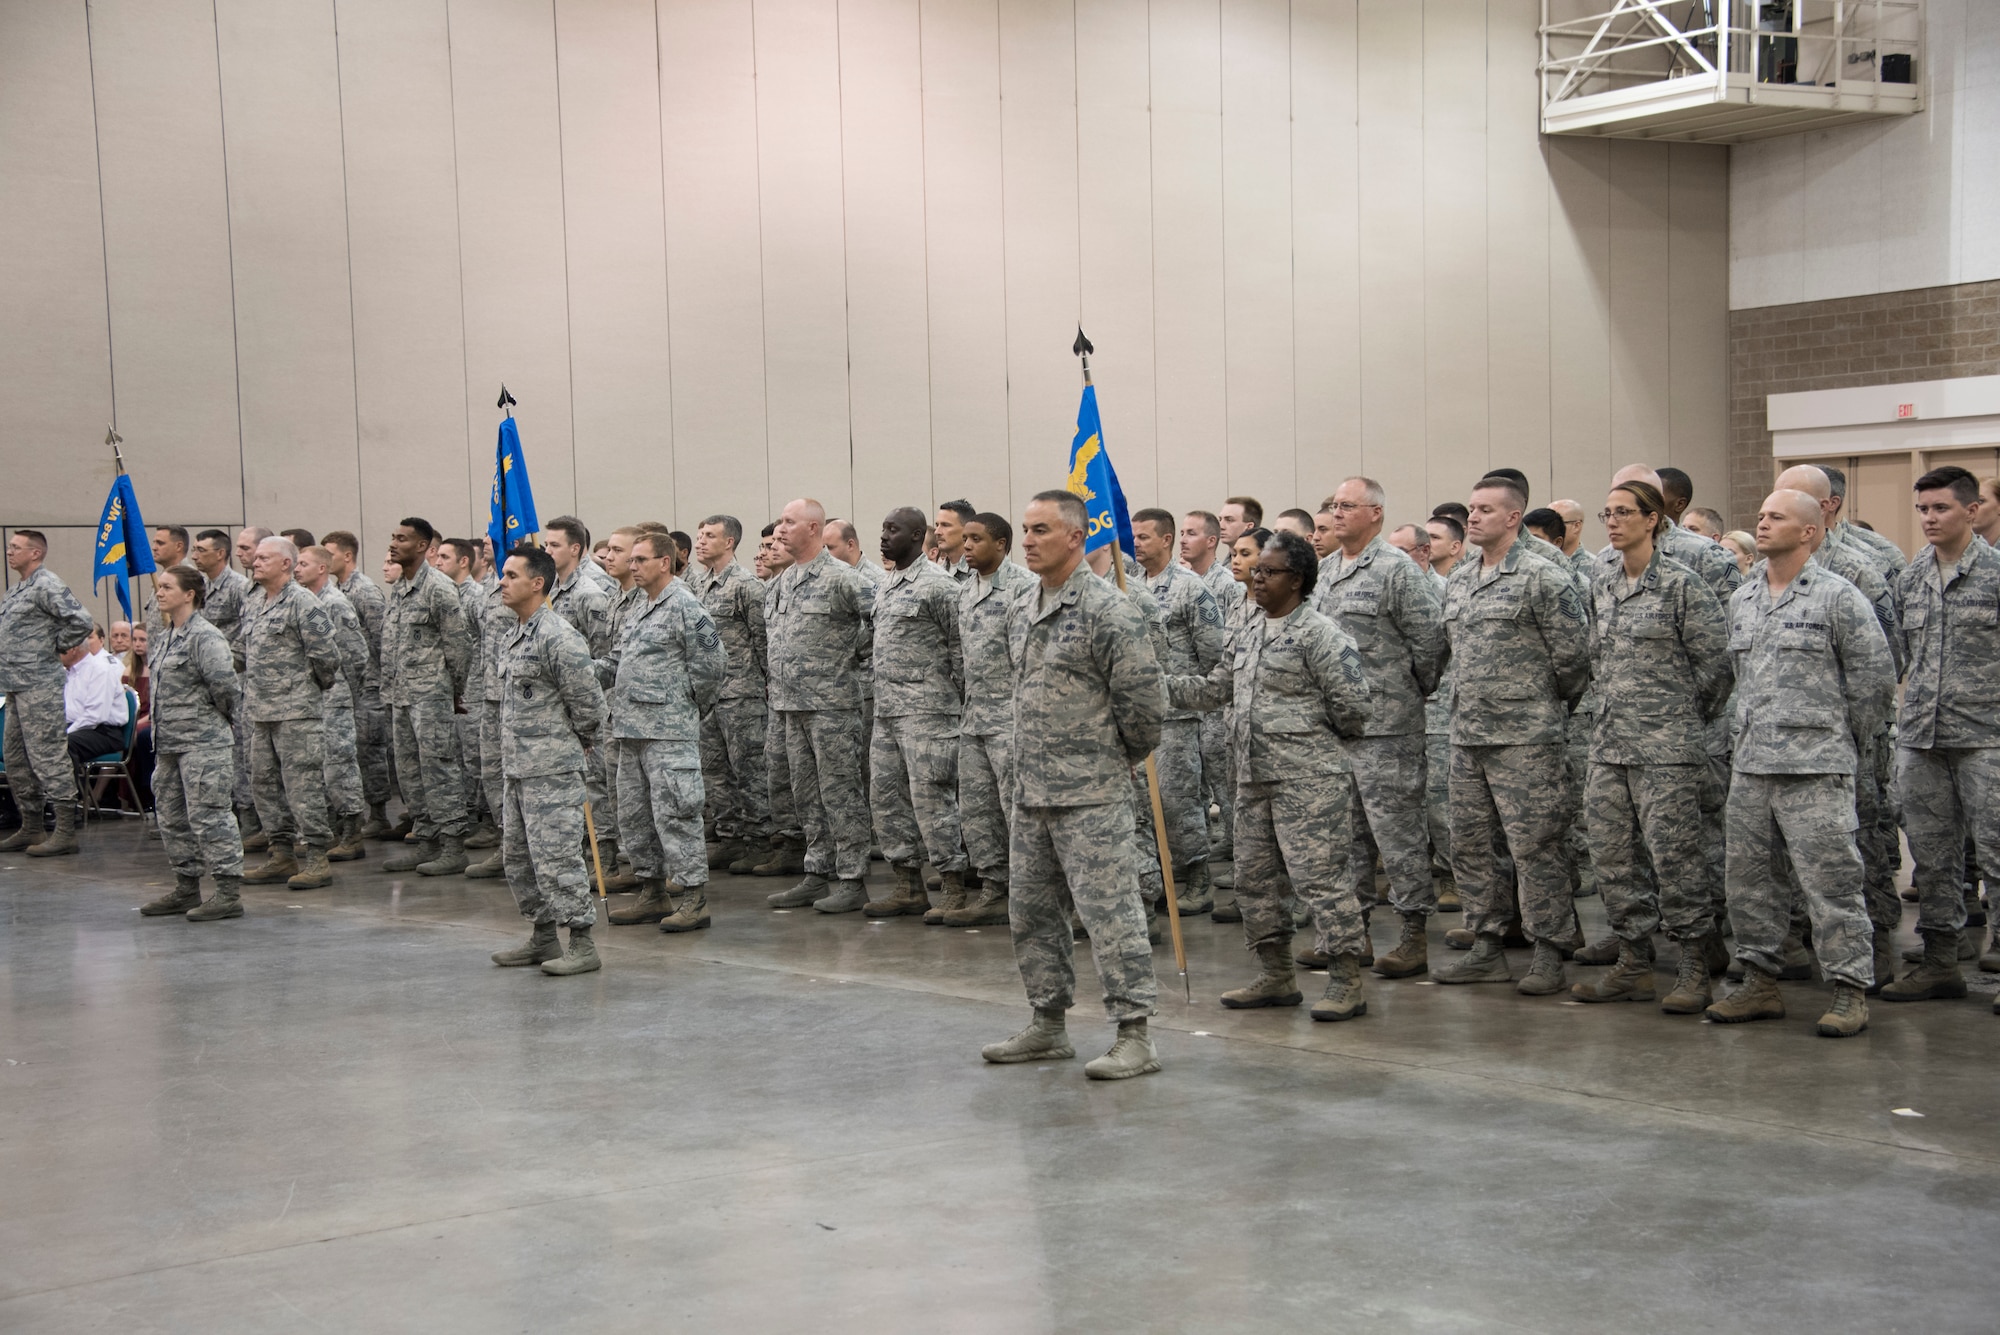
x=1083 y=349
x=507 y=400
x=111 y=436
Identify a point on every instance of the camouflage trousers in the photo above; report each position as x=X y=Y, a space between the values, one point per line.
x=241 y=794
x=1948 y=795
x=343 y=765
x=1296 y=838
x=1081 y=856
x=659 y=784
x=372 y=748
x=1809 y=817
x=468 y=725
x=913 y=790
x=824 y=747
x=1178 y=760
x=191 y=794
x=541 y=846
x=1714 y=835
x=1512 y=797
x=985 y=787
x=427 y=767
x=1218 y=781
x=288 y=781
x=1437 y=797
x=1145 y=839
x=1646 y=833
x=598 y=762
x=1388 y=783
x=1576 y=774
x=1875 y=835
x=733 y=775
x=37 y=748
x=778 y=780
x=492 y=774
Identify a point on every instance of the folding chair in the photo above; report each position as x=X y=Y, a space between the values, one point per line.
x=117 y=764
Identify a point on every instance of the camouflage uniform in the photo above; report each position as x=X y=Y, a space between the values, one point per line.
x=1145 y=836
x=1948 y=730
x=864 y=667
x=1812 y=674
x=986 y=728
x=40 y=621
x=195 y=694
x=1218 y=777
x=343 y=765
x=665 y=669
x=1884 y=556
x=919 y=695
x=1582 y=724
x=1521 y=660
x=735 y=728
x=785 y=825
x=551 y=709
x=423 y=665
x=1660 y=666
x=471 y=601
x=290 y=657
x=497 y=624
x=1193 y=623
x=817 y=621
x=1382 y=601
x=1087 y=707
x=371 y=719
x=582 y=601
x=222 y=605
x=1437 y=755
x=1298 y=689
x=624 y=603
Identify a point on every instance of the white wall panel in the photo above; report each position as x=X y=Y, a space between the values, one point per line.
x=1698 y=319
x=1518 y=309
x=1391 y=189
x=402 y=225
x=1579 y=316
x=166 y=250
x=55 y=348
x=281 y=138
x=1456 y=263
x=1326 y=248
x=607 y=67
x=1639 y=198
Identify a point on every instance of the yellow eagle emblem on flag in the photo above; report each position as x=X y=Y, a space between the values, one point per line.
x=1079 y=469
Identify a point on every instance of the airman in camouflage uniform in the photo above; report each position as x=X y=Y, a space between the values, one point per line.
x=222 y=606
x=1813 y=673
x=1299 y=689
x=1520 y=658
x=985 y=736
x=734 y=729
x=818 y=616
x=666 y=668
x=372 y=751
x=1087 y=707
x=424 y=661
x=344 y=795
x=787 y=854
x=497 y=623
x=289 y=658
x=552 y=708
x=579 y=598
x=471 y=603
x=1201 y=533
x=41 y=622
x=195 y=693
x=919 y=695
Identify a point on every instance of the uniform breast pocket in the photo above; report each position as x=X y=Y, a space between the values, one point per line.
x=1646 y=628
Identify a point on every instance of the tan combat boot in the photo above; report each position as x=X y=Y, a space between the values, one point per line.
x=1277 y=985
x=1848 y=1015
x=581 y=957
x=61 y=840
x=1045 y=1039
x=279 y=866
x=226 y=902
x=1936 y=979
x=651 y=906
x=988 y=908
x=952 y=901
x=1345 y=997
x=314 y=873
x=690 y=912
x=1412 y=953
x=1690 y=994
x=184 y=896
x=1486 y=962
x=347 y=845
x=908 y=896
x=1630 y=979
x=1755 y=998
x=30 y=833
x=1133 y=1054
x=542 y=944
x=450 y=859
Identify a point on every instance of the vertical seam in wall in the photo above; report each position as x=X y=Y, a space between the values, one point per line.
x=924 y=193
x=666 y=264
x=1222 y=238
x=229 y=238
x=347 y=236
x=1153 y=259
x=1291 y=227
x=103 y=231
x=763 y=308
x=458 y=247
x=1006 y=314
x=562 y=192
x=846 y=282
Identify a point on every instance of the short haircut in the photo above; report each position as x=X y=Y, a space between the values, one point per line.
x=1675 y=485
x=1452 y=522
x=1371 y=491
x=769 y=529
x=1515 y=476
x=1297 y=514
x=1000 y=530
x=962 y=508
x=1835 y=478
x=1069 y=504
x=1963 y=486
x=1300 y=559
x=1714 y=517
x=653 y=541
x=540 y=564
x=732 y=527
x=344 y=540
x=190 y=581
x=682 y=541
x=1500 y=482
x=1160 y=519
x=1259 y=535
x=317 y=552
x=1209 y=523
x=214 y=535
x=302 y=538
x=258 y=531
x=1252 y=508
x=286 y=547
x=846 y=532
x=37 y=537
x=1453 y=510
x=174 y=531
x=421 y=527
x=570 y=527
x=1419 y=535
x=1548 y=523
x=464 y=549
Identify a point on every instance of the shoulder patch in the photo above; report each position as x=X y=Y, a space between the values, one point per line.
x=1350 y=664
x=1210 y=614
x=1568 y=603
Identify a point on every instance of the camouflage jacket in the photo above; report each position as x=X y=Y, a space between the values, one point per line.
x=1193 y=622
x=1659 y=658
x=40 y=621
x=222 y=603
x=496 y=626
x=1812 y=674
x=423 y=639
x=917 y=661
x=817 y=621
x=1222 y=585
x=1437 y=705
x=665 y=671
x=1951 y=641
x=1520 y=654
x=1383 y=601
x=471 y=600
x=343 y=693
x=1882 y=555
x=984 y=608
x=370 y=607
x=551 y=705
x=864 y=653
x=1087 y=694
x=581 y=601
x=734 y=601
x=289 y=655
x=1857 y=570
x=624 y=605
x=1296 y=686
x=196 y=692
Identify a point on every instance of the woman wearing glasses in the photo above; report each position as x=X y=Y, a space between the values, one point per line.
x=1660 y=660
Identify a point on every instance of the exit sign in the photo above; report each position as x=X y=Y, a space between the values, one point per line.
x=1906 y=410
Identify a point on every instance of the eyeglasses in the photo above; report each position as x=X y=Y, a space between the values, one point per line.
x=1606 y=516
x=1347 y=507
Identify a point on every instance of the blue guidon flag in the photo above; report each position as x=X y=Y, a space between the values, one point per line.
x=124 y=548
x=1092 y=477
x=512 y=519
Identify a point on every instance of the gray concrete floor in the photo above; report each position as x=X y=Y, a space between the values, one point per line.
x=334 y=1114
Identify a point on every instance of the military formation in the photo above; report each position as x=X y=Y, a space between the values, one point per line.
x=1290 y=728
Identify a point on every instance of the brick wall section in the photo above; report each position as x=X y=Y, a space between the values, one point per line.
x=1931 y=333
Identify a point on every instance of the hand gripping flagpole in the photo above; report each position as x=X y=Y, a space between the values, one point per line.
x=1083 y=348
x=114 y=440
